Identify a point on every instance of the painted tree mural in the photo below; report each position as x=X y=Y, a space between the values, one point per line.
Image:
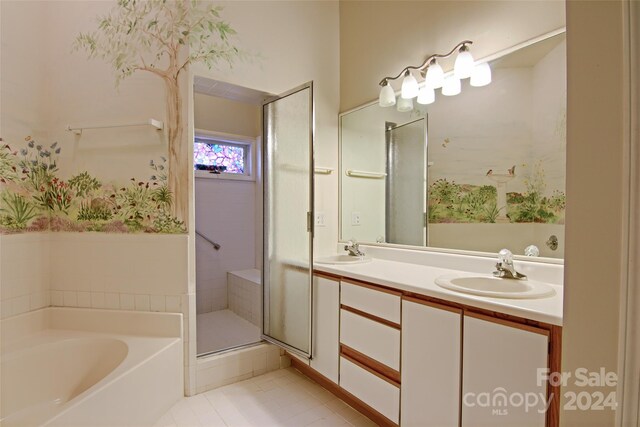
x=163 y=37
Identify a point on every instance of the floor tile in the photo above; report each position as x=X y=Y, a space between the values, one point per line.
x=283 y=398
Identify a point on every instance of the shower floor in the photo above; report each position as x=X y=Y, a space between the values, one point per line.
x=219 y=330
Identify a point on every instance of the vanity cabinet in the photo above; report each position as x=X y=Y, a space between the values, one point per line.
x=370 y=346
x=431 y=352
x=501 y=359
x=460 y=367
x=326 y=308
x=410 y=360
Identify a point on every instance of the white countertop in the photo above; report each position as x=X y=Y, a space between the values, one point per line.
x=420 y=279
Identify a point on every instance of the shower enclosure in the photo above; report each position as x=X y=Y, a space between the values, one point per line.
x=248 y=288
x=406 y=183
x=288 y=212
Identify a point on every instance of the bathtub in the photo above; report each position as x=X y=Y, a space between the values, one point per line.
x=87 y=367
x=244 y=294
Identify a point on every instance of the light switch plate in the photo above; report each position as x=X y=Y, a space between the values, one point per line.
x=319 y=219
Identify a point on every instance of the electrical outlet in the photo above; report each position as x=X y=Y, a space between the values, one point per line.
x=355 y=218
x=320 y=219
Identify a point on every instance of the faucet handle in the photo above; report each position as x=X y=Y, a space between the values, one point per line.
x=505 y=257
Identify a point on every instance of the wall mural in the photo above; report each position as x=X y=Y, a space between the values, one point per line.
x=157 y=37
x=34 y=198
x=451 y=202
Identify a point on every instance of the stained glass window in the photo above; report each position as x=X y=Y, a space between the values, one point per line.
x=218 y=156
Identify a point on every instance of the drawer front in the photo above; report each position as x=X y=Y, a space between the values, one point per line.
x=379 y=303
x=373 y=339
x=372 y=390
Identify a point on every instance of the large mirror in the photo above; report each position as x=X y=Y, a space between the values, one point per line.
x=478 y=171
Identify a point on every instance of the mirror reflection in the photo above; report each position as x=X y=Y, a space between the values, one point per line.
x=479 y=171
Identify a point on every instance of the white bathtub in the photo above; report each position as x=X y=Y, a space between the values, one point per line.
x=244 y=294
x=84 y=367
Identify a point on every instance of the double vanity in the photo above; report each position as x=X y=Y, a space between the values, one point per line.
x=414 y=342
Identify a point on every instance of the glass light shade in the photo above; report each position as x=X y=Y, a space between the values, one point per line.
x=435 y=76
x=464 y=65
x=387 y=96
x=426 y=95
x=481 y=75
x=404 y=105
x=451 y=86
x=409 y=87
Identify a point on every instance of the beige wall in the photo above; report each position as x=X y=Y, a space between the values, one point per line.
x=224 y=115
x=375 y=44
x=24 y=264
x=594 y=193
x=290 y=43
x=380 y=38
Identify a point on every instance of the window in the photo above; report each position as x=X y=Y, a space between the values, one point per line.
x=214 y=157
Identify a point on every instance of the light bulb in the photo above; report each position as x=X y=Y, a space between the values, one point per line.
x=426 y=95
x=464 y=64
x=451 y=86
x=435 y=75
x=409 y=86
x=404 y=105
x=387 y=96
x=481 y=75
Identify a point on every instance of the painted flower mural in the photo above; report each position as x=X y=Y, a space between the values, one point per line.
x=163 y=38
x=450 y=202
x=158 y=37
x=35 y=198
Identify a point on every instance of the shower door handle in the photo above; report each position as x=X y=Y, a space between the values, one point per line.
x=310 y=222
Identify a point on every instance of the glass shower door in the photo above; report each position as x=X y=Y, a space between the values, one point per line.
x=406 y=191
x=288 y=210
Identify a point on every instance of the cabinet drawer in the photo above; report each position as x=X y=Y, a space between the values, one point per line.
x=381 y=395
x=383 y=304
x=373 y=339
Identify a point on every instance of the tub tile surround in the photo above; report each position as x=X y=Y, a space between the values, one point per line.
x=415 y=271
x=85 y=270
x=24 y=273
x=153 y=353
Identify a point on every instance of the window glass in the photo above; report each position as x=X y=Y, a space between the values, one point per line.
x=220 y=157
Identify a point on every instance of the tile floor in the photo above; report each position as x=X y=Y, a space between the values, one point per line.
x=279 y=398
x=218 y=330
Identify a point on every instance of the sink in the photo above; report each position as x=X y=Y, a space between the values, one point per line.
x=343 y=259
x=490 y=286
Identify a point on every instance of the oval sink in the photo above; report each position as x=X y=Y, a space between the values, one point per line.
x=343 y=259
x=490 y=286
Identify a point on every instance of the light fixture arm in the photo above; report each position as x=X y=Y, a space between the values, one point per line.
x=426 y=62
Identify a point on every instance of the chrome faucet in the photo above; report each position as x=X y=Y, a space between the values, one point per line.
x=505 y=268
x=353 y=248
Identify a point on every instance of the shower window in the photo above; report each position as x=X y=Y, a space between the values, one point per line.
x=216 y=158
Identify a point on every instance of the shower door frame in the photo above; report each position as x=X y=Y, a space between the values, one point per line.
x=266 y=220
x=390 y=127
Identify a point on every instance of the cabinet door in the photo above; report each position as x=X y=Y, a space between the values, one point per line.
x=326 y=312
x=430 y=364
x=500 y=373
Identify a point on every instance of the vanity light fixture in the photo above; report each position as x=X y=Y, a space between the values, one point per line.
x=481 y=75
x=404 y=104
x=426 y=95
x=409 y=86
x=434 y=78
x=464 y=63
x=451 y=86
x=387 y=96
x=435 y=75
